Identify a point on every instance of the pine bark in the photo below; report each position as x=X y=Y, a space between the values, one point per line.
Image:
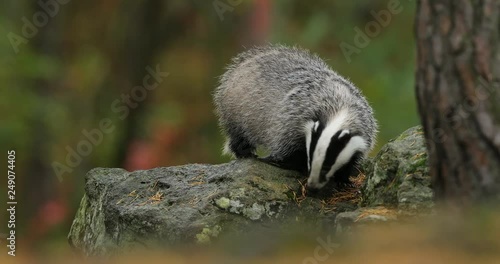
x=458 y=92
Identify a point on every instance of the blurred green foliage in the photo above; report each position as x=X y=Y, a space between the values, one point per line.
x=66 y=77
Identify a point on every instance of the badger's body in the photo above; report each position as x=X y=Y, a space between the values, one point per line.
x=292 y=104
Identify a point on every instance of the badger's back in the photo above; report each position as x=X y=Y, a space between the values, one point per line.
x=268 y=93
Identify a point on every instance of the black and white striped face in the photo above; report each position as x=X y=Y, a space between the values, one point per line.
x=330 y=148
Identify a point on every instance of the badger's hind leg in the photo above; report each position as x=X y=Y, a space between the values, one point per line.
x=239 y=146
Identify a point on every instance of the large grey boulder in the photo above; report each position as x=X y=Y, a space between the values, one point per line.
x=201 y=203
x=191 y=203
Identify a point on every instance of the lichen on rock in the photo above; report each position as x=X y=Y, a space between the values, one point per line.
x=206 y=235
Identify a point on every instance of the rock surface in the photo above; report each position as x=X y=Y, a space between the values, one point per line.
x=199 y=203
x=182 y=204
x=399 y=176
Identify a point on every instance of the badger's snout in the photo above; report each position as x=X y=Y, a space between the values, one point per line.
x=314 y=185
x=314 y=189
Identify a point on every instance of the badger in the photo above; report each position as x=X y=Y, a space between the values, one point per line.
x=289 y=102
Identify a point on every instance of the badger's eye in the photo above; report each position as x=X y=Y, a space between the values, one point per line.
x=325 y=170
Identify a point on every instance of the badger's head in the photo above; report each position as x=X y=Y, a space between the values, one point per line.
x=332 y=150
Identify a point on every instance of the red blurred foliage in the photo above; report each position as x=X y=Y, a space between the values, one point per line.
x=140 y=156
x=53 y=212
x=260 y=21
x=50 y=215
x=159 y=150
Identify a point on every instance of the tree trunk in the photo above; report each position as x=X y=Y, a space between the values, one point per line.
x=458 y=91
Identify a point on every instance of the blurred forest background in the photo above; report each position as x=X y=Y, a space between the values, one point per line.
x=64 y=79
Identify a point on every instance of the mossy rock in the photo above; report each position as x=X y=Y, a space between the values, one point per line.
x=184 y=204
x=199 y=204
x=399 y=176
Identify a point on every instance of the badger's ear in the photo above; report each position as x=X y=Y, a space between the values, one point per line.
x=315 y=126
x=344 y=133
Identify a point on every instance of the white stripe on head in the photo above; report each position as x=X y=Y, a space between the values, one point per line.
x=323 y=143
x=356 y=143
x=309 y=129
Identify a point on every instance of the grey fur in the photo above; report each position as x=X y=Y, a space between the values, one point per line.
x=269 y=93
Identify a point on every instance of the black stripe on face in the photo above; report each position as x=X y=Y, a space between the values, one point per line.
x=333 y=151
x=342 y=174
x=315 y=134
